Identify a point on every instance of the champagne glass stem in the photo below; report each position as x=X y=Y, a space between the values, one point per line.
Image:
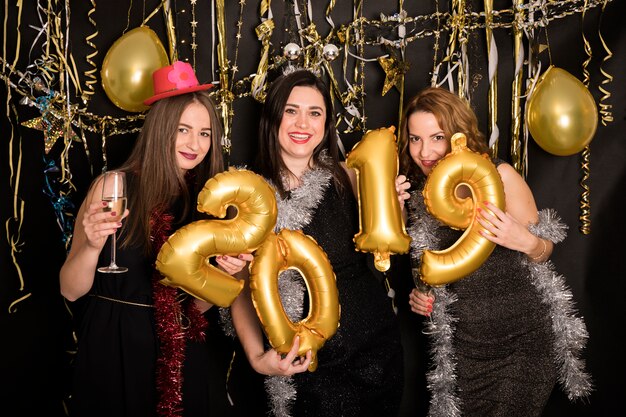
x=113 y=250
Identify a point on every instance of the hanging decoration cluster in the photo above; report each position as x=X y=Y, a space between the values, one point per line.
x=52 y=84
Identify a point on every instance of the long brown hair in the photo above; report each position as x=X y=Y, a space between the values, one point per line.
x=453 y=114
x=269 y=162
x=155 y=179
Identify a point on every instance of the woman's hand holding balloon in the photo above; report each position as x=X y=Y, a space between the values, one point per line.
x=506 y=231
x=273 y=363
x=402 y=187
x=233 y=264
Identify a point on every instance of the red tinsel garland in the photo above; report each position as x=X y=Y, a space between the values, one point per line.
x=171 y=332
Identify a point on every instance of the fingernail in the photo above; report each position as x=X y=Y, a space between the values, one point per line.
x=113 y=213
x=240 y=256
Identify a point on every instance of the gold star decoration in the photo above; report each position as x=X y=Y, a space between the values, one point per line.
x=394 y=71
x=52 y=128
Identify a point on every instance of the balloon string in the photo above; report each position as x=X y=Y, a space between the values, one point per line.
x=391 y=293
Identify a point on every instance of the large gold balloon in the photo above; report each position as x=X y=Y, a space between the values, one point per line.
x=294 y=249
x=460 y=168
x=128 y=66
x=184 y=258
x=382 y=231
x=561 y=114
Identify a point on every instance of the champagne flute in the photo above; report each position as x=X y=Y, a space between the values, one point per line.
x=114 y=193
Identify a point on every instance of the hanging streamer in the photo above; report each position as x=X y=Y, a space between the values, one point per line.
x=225 y=95
x=492 y=53
x=264 y=34
x=516 y=112
x=605 y=109
x=90 y=74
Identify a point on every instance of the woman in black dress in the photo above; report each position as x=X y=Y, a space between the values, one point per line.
x=359 y=371
x=138 y=339
x=503 y=334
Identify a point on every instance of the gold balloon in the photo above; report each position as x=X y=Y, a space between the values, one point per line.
x=561 y=115
x=184 y=259
x=128 y=66
x=382 y=231
x=461 y=167
x=294 y=249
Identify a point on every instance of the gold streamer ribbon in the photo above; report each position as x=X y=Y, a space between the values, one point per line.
x=516 y=112
x=492 y=54
x=226 y=96
x=585 y=202
x=605 y=109
x=90 y=74
x=171 y=30
x=264 y=34
x=13 y=224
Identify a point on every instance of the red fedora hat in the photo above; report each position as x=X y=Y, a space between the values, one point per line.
x=173 y=80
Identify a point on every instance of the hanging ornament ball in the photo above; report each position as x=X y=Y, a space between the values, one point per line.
x=292 y=51
x=330 y=52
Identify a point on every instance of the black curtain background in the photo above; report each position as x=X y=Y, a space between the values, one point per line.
x=37 y=341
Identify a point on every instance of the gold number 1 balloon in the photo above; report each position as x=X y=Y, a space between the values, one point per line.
x=375 y=159
x=461 y=167
x=184 y=258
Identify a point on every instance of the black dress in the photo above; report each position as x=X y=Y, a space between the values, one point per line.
x=116 y=361
x=502 y=339
x=117 y=348
x=360 y=371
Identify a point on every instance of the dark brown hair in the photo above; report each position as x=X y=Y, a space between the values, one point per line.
x=155 y=179
x=269 y=162
x=453 y=114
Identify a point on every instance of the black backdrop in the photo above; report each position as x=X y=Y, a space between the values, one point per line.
x=36 y=332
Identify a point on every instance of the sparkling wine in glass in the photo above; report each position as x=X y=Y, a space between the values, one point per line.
x=114 y=193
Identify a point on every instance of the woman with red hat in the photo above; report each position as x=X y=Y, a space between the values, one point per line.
x=134 y=333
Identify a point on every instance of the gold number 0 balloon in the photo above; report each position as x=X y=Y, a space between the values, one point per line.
x=461 y=167
x=294 y=249
x=183 y=259
x=375 y=159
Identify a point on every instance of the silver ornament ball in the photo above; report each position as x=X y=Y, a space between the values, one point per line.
x=330 y=52
x=292 y=51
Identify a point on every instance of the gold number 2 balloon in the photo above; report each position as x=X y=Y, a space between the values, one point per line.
x=375 y=159
x=461 y=167
x=184 y=258
x=294 y=249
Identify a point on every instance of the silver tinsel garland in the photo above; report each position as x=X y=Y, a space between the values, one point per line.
x=570 y=333
x=294 y=213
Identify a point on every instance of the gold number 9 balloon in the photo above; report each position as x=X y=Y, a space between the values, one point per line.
x=184 y=258
x=294 y=249
x=375 y=159
x=461 y=167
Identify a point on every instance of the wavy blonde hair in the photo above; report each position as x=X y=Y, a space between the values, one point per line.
x=453 y=114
